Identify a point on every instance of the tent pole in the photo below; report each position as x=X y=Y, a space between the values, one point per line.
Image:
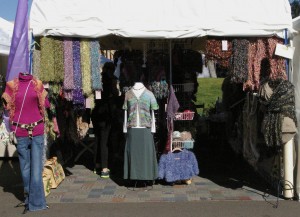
x=170 y=55
x=286 y=60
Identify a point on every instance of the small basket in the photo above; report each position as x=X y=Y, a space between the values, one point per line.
x=187 y=144
x=184 y=116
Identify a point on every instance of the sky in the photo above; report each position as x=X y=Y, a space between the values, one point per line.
x=8 y=9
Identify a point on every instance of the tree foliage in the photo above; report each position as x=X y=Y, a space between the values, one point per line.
x=295 y=8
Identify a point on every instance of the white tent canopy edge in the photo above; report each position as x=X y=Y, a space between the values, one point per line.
x=160 y=19
x=6 y=31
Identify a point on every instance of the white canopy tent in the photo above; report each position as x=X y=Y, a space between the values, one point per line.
x=6 y=31
x=161 y=19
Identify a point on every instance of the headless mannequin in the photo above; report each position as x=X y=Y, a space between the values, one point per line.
x=138 y=89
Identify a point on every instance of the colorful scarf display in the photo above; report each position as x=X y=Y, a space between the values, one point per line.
x=47 y=60
x=260 y=49
x=36 y=63
x=239 y=60
x=95 y=65
x=85 y=60
x=214 y=52
x=68 y=62
x=77 y=93
x=59 y=69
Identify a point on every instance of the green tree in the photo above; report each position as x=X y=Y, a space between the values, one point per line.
x=295 y=8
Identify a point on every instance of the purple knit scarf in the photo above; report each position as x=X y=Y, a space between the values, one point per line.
x=78 y=97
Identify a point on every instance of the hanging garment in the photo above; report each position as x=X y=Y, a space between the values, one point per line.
x=279 y=105
x=182 y=165
x=172 y=108
x=140 y=161
x=250 y=151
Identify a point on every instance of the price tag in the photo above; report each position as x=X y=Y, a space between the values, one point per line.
x=224 y=45
x=88 y=103
x=284 y=51
x=98 y=94
x=46 y=85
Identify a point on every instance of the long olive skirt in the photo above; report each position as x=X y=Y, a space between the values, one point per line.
x=140 y=162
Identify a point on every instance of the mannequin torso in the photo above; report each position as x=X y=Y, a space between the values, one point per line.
x=138 y=88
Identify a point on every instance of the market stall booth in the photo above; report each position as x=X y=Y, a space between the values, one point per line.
x=136 y=27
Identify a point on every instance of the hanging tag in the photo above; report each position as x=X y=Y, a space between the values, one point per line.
x=98 y=94
x=284 y=51
x=224 y=45
x=46 y=85
x=88 y=103
x=166 y=107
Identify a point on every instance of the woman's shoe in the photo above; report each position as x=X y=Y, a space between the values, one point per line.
x=105 y=174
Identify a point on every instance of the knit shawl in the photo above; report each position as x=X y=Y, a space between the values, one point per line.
x=281 y=104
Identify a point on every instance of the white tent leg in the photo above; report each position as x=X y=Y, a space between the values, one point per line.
x=288 y=184
x=297 y=169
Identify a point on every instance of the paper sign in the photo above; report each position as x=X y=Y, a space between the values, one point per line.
x=88 y=103
x=285 y=51
x=46 y=85
x=98 y=94
x=224 y=45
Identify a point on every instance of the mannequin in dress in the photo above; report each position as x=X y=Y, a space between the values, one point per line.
x=140 y=161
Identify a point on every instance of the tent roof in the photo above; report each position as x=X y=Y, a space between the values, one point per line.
x=160 y=19
x=6 y=32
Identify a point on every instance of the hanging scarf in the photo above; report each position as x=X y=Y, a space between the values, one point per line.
x=77 y=92
x=239 y=60
x=280 y=104
x=95 y=66
x=47 y=60
x=58 y=60
x=68 y=62
x=85 y=60
x=36 y=63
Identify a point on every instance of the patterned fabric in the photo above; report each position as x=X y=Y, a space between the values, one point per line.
x=178 y=166
x=36 y=63
x=239 y=69
x=281 y=104
x=78 y=98
x=68 y=62
x=11 y=90
x=214 y=52
x=47 y=71
x=95 y=65
x=160 y=89
x=260 y=49
x=144 y=104
x=85 y=64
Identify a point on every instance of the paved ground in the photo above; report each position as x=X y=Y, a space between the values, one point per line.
x=226 y=186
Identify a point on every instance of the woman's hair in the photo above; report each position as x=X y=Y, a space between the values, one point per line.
x=108 y=67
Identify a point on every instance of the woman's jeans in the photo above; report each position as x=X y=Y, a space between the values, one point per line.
x=30 y=153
